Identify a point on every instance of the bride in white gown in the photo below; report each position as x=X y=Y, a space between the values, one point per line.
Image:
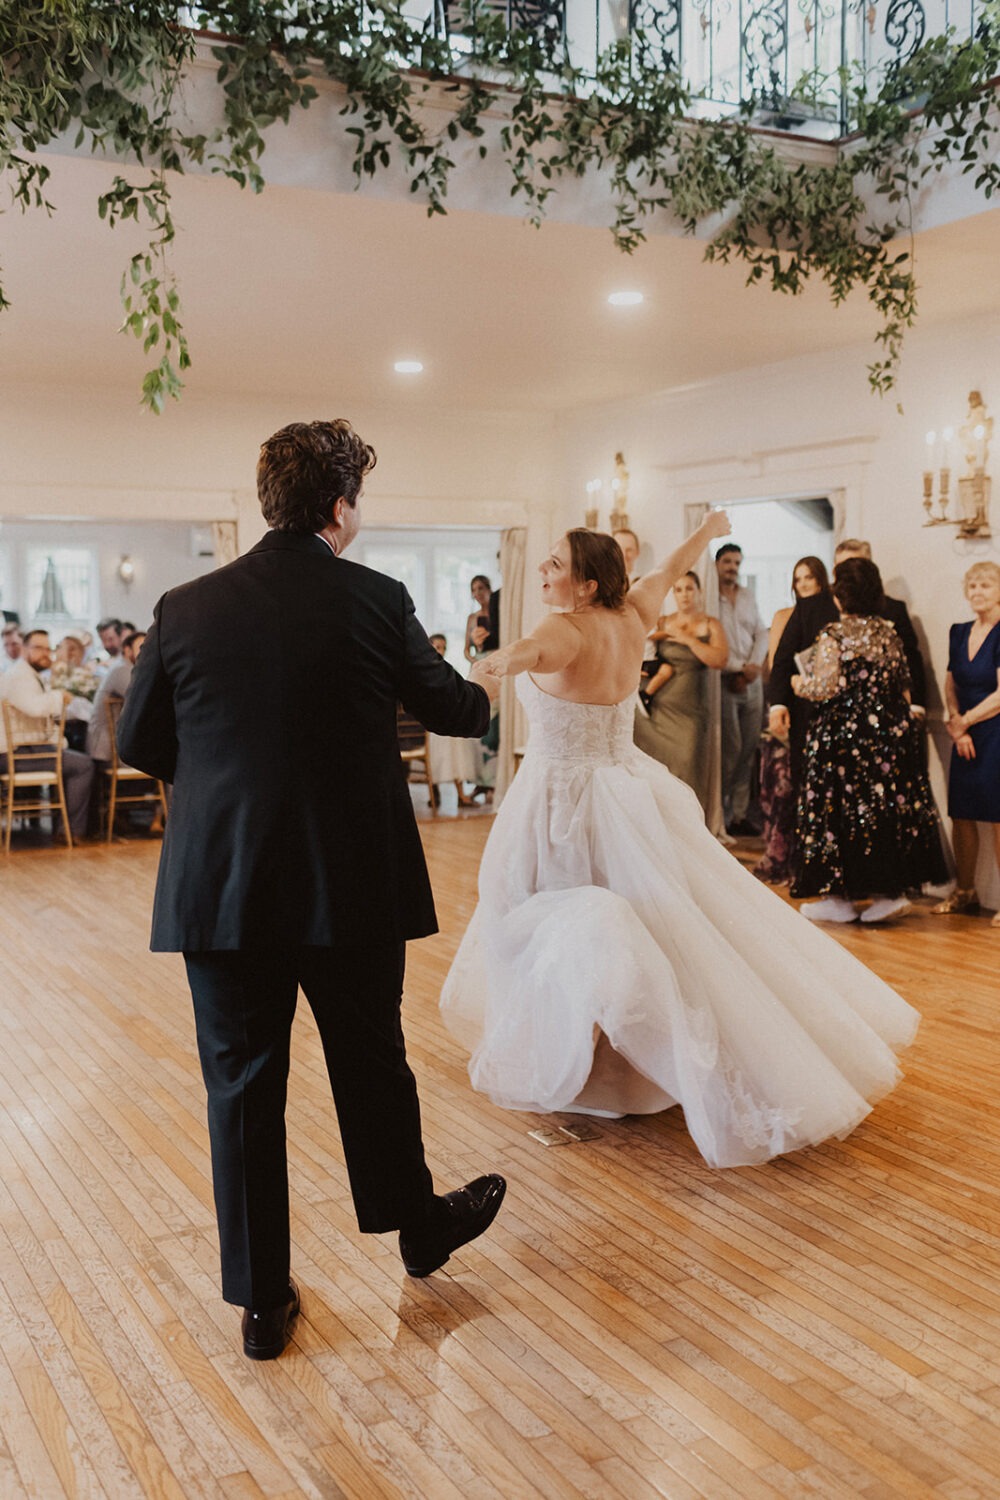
x=620 y=960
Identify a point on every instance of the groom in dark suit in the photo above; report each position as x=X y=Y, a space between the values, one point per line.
x=266 y=693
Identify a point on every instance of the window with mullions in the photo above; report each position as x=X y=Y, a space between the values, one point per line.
x=61 y=590
x=437 y=567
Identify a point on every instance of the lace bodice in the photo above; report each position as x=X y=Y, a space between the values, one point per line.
x=597 y=734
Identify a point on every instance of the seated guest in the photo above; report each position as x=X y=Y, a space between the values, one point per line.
x=70 y=672
x=972 y=693
x=114 y=685
x=867 y=827
x=23 y=688
x=12 y=646
x=452 y=759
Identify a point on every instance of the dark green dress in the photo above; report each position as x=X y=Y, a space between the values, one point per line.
x=676 y=731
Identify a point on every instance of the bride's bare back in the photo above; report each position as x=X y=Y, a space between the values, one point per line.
x=608 y=657
x=591 y=651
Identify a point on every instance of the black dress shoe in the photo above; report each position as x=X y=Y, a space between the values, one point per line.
x=265 y=1334
x=456 y=1219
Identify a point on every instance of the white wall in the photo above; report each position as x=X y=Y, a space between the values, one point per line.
x=95 y=454
x=161 y=554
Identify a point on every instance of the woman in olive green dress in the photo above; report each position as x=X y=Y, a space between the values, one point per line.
x=688 y=643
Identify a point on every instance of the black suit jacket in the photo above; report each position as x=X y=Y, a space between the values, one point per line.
x=807 y=620
x=266 y=692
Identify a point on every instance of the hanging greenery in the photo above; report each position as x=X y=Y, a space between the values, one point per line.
x=106 y=75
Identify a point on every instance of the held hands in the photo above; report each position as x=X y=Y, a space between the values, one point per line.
x=965 y=748
x=957 y=727
x=485 y=675
x=478 y=635
x=751 y=671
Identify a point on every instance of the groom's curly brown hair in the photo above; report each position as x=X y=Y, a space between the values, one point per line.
x=304 y=469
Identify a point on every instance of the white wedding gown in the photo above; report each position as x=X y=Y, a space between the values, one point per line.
x=621 y=960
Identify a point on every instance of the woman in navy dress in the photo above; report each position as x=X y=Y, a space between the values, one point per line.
x=972 y=693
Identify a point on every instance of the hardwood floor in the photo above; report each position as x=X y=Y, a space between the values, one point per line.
x=635 y=1324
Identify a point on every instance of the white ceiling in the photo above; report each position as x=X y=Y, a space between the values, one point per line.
x=299 y=292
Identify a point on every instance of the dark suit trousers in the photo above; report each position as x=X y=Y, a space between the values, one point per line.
x=244 y=1003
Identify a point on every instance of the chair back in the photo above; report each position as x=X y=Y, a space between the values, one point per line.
x=415 y=752
x=24 y=733
x=118 y=777
x=113 y=708
x=28 y=775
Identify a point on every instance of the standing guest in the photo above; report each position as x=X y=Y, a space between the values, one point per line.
x=778 y=787
x=972 y=695
x=478 y=634
x=867 y=828
x=113 y=685
x=13 y=646
x=452 y=759
x=742 y=689
x=24 y=689
x=789 y=716
x=292 y=856
x=482 y=635
x=630 y=549
x=688 y=642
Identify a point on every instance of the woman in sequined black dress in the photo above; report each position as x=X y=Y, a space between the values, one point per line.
x=867 y=823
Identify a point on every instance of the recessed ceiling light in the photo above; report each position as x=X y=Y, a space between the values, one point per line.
x=408 y=367
x=626 y=299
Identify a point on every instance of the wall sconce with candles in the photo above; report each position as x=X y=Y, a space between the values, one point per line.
x=591 y=515
x=974 y=486
x=619 y=492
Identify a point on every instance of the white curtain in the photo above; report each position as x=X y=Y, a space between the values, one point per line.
x=693 y=517
x=513 y=724
x=224 y=542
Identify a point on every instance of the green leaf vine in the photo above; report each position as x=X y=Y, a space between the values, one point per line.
x=107 y=75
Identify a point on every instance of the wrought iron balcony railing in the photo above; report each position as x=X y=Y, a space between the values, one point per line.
x=729 y=51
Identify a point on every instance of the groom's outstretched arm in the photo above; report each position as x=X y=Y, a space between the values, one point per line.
x=431 y=689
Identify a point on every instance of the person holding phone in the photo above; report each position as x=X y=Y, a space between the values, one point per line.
x=479 y=639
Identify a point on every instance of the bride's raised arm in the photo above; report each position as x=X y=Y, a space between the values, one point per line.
x=550 y=647
x=649 y=593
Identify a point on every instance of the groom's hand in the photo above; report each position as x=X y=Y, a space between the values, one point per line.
x=481 y=675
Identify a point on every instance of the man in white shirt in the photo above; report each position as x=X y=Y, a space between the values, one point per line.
x=742 y=688
x=23 y=688
x=13 y=646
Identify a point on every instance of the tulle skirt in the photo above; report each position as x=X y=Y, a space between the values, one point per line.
x=620 y=959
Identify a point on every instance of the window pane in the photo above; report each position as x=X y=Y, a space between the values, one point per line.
x=404 y=563
x=62 y=587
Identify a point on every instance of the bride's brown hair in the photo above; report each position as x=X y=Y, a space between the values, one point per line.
x=596 y=557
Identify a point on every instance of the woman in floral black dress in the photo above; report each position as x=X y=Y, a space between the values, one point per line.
x=867 y=823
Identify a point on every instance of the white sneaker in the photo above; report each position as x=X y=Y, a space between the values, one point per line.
x=830 y=909
x=884 y=907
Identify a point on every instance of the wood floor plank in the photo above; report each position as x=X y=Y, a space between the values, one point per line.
x=634 y=1325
